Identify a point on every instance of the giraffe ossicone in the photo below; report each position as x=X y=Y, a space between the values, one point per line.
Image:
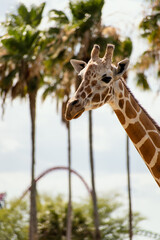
x=102 y=82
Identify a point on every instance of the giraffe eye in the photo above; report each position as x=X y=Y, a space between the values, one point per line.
x=106 y=79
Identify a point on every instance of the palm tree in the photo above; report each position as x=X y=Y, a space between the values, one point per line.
x=60 y=74
x=22 y=75
x=129 y=190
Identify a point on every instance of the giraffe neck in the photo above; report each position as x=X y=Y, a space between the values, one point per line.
x=140 y=127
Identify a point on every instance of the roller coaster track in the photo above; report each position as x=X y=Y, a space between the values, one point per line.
x=55 y=169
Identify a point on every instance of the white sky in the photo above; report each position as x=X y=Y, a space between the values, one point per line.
x=109 y=136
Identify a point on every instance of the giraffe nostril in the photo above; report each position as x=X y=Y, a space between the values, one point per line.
x=74 y=102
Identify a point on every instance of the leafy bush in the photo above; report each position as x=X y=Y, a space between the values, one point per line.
x=52 y=219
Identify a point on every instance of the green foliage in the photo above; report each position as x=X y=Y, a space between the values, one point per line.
x=23 y=35
x=85 y=14
x=150 y=25
x=82 y=7
x=126 y=47
x=88 y=15
x=52 y=88
x=14 y=221
x=8 y=79
x=150 y=28
x=21 y=41
x=25 y=16
x=52 y=220
x=142 y=81
x=59 y=17
x=22 y=61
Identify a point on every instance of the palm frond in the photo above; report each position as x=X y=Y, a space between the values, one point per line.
x=59 y=17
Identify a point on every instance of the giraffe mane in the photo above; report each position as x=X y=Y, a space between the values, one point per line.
x=152 y=120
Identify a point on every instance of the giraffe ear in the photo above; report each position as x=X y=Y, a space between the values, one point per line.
x=78 y=65
x=122 y=67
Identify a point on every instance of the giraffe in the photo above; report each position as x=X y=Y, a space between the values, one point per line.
x=102 y=82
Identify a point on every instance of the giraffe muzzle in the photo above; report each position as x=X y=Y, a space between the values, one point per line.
x=73 y=110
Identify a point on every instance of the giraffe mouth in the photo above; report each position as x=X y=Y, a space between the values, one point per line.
x=78 y=114
x=72 y=114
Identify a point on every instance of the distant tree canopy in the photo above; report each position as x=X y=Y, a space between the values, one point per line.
x=52 y=217
x=21 y=52
x=150 y=30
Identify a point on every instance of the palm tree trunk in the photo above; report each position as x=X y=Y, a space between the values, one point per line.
x=69 y=213
x=33 y=208
x=95 y=208
x=129 y=190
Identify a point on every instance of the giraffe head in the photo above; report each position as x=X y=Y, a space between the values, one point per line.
x=97 y=85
